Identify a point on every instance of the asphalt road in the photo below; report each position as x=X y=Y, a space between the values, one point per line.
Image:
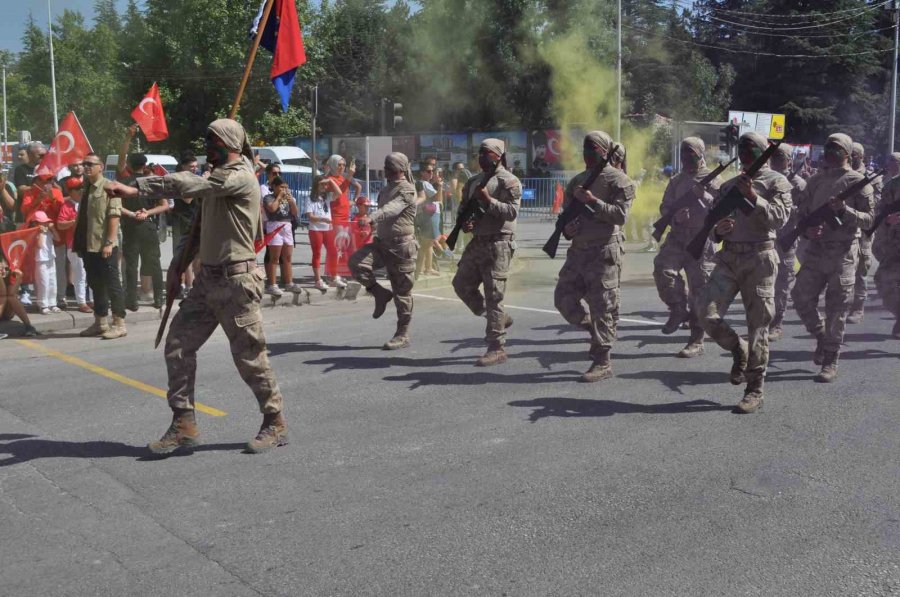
x=415 y=473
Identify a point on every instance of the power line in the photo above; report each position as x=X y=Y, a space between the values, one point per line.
x=753 y=52
x=791 y=28
x=807 y=16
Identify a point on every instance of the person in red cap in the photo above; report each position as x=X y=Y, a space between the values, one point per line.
x=67 y=261
x=45 y=262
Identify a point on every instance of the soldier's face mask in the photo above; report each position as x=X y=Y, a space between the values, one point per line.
x=856 y=161
x=487 y=161
x=690 y=160
x=216 y=152
x=834 y=156
x=590 y=153
x=748 y=153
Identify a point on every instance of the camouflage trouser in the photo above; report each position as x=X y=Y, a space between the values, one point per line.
x=667 y=265
x=784 y=283
x=485 y=262
x=746 y=269
x=592 y=273
x=860 y=290
x=830 y=267
x=399 y=260
x=887 y=281
x=233 y=303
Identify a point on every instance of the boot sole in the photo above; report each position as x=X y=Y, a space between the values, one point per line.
x=282 y=441
x=684 y=355
x=188 y=443
x=397 y=347
x=585 y=378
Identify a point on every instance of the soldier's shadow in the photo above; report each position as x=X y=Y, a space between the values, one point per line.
x=648 y=339
x=443 y=378
x=577 y=408
x=478 y=343
x=782 y=356
x=349 y=363
x=27 y=448
x=676 y=380
x=279 y=348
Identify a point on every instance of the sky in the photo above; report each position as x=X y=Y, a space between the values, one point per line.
x=14 y=15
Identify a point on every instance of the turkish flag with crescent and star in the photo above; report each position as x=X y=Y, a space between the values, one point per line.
x=18 y=248
x=150 y=116
x=69 y=146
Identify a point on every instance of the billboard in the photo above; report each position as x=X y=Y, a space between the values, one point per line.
x=447 y=148
x=323 y=147
x=770 y=126
x=406 y=145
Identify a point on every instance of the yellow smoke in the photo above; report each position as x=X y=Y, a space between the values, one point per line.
x=584 y=99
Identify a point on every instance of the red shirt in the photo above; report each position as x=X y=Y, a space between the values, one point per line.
x=68 y=212
x=34 y=200
x=362 y=235
x=340 y=207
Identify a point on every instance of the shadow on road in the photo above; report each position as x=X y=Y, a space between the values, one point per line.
x=279 y=348
x=26 y=450
x=675 y=380
x=440 y=378
x=780 y=356
x=574 y=407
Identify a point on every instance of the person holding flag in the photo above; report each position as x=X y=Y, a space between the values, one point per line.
x=16 y=254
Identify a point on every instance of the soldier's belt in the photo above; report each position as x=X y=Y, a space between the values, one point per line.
x=493 y=238
x=595 y=243
x=230 y=269
x=748 y=247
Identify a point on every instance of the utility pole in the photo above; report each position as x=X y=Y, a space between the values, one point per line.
x=52 y=69
x=5 y=131
x=895 y=6
x=619 y=76
x=315 y=112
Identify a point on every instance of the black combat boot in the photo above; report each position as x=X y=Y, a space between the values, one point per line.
x=382 y=296
x=677 y=316
x=819 y=354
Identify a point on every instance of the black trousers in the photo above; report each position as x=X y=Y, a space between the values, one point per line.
x=103 y=278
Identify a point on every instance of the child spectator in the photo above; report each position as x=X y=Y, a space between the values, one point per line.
x=45 y=263
x=67 y=260
x=321 y=232
x=281 y=209
x=9 y=300
x=362 y=230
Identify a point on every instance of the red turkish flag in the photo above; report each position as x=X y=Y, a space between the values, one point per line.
x=69 y=146
x=19 y=248
x=260 y=243
x=150 y=116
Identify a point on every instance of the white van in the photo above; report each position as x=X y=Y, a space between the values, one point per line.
x=290 y=158
x=166 y=161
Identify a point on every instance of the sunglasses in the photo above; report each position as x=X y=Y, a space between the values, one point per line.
x=90 y=164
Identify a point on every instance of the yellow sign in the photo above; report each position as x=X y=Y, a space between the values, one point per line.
x=776 y=128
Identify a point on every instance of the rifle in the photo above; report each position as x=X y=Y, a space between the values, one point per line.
x=890 y=208
x=824 y=214
x=686 y=200
x=733 y=200
x=470 y=210
x=184 y=261
x=576 y=208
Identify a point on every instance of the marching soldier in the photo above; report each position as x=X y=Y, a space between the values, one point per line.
x=394 y=247
x=787 y=259
x=227 y=290
x=673 y=256
x=747 y=264
x=832 y=257
x=886 y=247
x=593 y=262
x=487 y=257
x=860 y=289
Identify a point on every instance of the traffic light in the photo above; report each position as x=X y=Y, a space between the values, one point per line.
x=394 y=119
x=398 y=117
x=728 y=138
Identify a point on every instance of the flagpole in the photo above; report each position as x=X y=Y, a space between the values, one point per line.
x=52 y=69
x=259 y=33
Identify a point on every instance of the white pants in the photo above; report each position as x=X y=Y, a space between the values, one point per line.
x=69 y=263
x=45 y=283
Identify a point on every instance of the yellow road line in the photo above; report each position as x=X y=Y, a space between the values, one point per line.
x=113 y=375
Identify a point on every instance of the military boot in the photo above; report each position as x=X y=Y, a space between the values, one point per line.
x=98 y=328
x=739 y=365
x=677 y=316
x=116 y=330
x=272 y=433
x=896 y=331
x=495 y=355
x=829 y=368
x=382 y=296
x=856 y=313
x=400 y=339
x=819 y=354
x=776 y=331
x=600 y=369
x=182 y=432
x=507 y=321
x=694 y=346
x=751 y=402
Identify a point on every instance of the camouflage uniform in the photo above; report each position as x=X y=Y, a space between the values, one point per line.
x=787 y=259
x=394 y=248
x=226 y=292
x=593 y=264
x=748 y=264
x=860 y=287
x=487 y=257
x=831 y=261
x=886 y=248
x=673 y=256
